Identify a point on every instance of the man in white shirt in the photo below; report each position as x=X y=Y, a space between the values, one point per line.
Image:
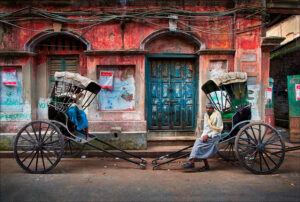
x=206 y=146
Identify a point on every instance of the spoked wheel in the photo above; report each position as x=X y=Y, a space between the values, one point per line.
x=38 y=147
x=72 y=148
x=260 y=148
x=226 y=150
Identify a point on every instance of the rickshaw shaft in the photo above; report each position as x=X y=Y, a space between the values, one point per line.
x=116 y=155
x=130 y=154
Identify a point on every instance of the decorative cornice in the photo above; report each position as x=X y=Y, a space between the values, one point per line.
x=268 y=43
x=116 y=52
x=14 y=53
x=216 y=52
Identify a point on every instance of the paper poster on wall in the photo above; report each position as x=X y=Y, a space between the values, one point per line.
x=269 y=94
x=106 y=79
x=9 y=77
x=297 y=86
x=253 y=94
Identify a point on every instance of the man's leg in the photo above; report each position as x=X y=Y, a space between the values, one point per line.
x=193 y=155
x=205 y=167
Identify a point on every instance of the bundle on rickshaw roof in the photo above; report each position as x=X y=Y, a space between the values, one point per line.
x=224 y=79
x=70 y=88
x=78 y=80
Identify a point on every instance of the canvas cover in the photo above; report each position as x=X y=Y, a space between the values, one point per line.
x=73 y=76
x=231 y=77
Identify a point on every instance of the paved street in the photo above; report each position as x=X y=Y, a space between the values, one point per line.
x=99 y=179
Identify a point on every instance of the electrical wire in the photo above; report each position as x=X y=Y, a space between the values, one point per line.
x=100 y=15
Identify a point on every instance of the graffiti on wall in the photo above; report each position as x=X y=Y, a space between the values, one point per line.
x=43 y=108
x=11 y=95
x=253 y=94
x=24 y=115
x=122 y=94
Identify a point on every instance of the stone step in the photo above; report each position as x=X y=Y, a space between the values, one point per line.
x=152 y=134
x=171 y=141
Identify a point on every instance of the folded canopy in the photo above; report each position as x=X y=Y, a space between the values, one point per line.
x=78 y=80
x=224 y=79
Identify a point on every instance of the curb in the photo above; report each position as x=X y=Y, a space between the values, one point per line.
x=94 y=153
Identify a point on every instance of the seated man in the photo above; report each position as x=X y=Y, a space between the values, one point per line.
x=206 y=146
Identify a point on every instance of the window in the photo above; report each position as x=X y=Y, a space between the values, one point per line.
x=58 y=64
x=11 y=89
x=121 y=97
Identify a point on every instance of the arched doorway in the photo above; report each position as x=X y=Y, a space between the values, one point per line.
x=56 y=51
x=171 y=81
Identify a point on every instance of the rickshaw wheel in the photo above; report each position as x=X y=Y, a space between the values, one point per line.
x=72 y=148
x=226 y=151
x=260 y=148
x=38 y=147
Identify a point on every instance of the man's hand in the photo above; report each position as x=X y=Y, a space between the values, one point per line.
x=205 y=137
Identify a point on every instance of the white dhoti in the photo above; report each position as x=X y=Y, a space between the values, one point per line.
x=213 y=126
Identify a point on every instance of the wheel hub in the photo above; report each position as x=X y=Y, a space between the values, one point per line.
x=39 y=145
x=260 y=147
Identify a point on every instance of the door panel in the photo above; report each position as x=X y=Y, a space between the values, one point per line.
x=172 y=94
x=58 y=64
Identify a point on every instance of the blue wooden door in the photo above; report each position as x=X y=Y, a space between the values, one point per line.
x=171 y=94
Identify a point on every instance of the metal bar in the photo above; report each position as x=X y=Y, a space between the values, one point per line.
x=221 y=98
x=233 y=96
x=245 y=92
x=212 y=101
x=157 y=165
x=88 y=101
x=116 y=155
x=240 y=92
x=66 y=99
x=292 y=148
x=130 y=154
x=84 y=97
x=94 y=96
x=171 y=154
x=227 y=140
x=227 y=97
x=217 y=99
x=287 y=149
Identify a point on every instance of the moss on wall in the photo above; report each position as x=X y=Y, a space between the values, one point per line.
x=130 y=142
x=6 y=143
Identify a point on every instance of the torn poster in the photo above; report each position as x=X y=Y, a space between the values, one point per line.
x=297 y=86
x=106 y=79
x=269 y=94
x=9 y=77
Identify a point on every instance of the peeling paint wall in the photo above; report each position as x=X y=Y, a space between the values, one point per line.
x=288 y=28
x=122 y=95
x=110 y=44
x=11 y=95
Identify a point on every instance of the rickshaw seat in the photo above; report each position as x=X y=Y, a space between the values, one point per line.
x=243 y=114
x=60 y=116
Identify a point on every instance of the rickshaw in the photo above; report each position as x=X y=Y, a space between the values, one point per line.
x=258 y=146
x=40 y=144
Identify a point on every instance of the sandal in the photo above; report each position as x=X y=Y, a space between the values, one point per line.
x=188 y=165
x=204 y=168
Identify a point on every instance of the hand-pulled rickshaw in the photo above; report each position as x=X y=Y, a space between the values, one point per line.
x=256 y=145
x=40 y=145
